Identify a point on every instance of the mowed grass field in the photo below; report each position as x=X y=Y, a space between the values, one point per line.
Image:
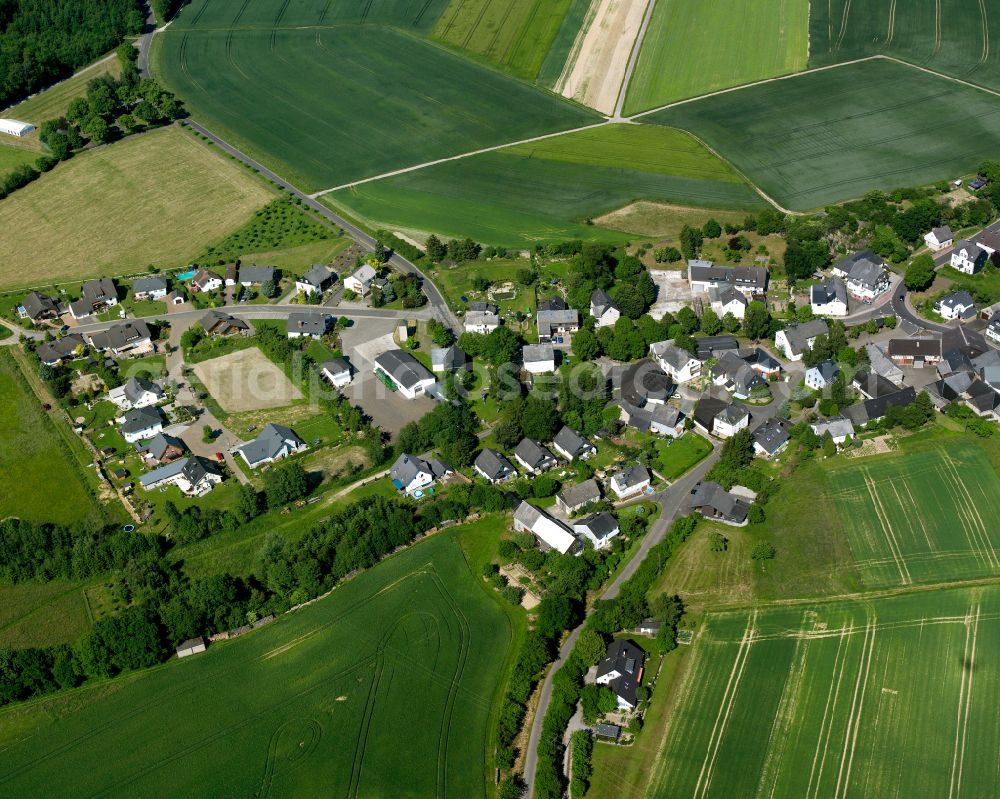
x=40 y=482
x=819 y=138
x=891 y=696
x=548 y=190
x=11 y=157
x=157 y=198
x=930 y=515
x=516 y=34
x=330 y=105
x=416 y=15
x=385 y=688
x=693 y=47
x=33 y=614
x=951 y=36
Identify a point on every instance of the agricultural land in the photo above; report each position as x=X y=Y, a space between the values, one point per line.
x=190 y=198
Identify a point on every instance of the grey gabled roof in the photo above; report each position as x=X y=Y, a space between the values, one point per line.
x=632 y=476
x=829 y=290
x=481 y=318
x=449 y=358
x=494 y=465
x=942 y=233
x=214 y=317
x=711 y=495
x=157 y=445
x=139 y=419
x=733 y=413
x=317 y=276
x=643 y=381
x=336 y=366
x=257 y=274
x=36 y=304
x=599 y=524
x=99 y=290
x=406 y=468
x=269 y=443
x=601 y=302
x=64 y=347
x=533 y=453
x=193 y=468
x=581 y=493
x=673 y=355
x=403 y=368
x=308 y=324
x=537 y=353
x=365 y=273
x=148 y=284
x=138 y=385
x=121 y=335
x=772 y=435
x=568 y=440
x=706 y=271
x=798 y=335
x=827 y=369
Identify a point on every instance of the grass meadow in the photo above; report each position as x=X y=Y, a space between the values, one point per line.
x=950 y=36
x=169 y=197
x=327 y=106
x=891 y=696
x=11 y=157
x=823 y=137
x=516 y=34
x=388 y=687
x=681 y=55
x=42 y=614
x=40 y=481
x=548 y=190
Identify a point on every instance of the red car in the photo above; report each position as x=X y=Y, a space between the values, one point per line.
x=219 y=456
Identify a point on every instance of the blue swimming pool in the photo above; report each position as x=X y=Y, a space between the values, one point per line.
x=187 y=275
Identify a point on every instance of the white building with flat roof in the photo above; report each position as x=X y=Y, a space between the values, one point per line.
x=14 y=127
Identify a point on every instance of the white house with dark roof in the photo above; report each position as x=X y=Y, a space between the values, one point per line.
x=840 y=429
x=481 y=322
x=957 y=305
x=449 y=359
x=730 y=420
x=493 y=466
x=206 y=281
x=552 y=534
x=751 y=281
x=274 y=443
x=337 y=372
x=771 y=438
x=254 y=275
x=307 y=325
x=409 y=376
x=864 y=274
x=992 y=330
x=621 y=670
x=727 y=299
x=794 y=340
x=939 y=238
x=410 y=473
x=219 y=323
x=533 y=456
x=821 y=375
x=194 y=476
x=317 y=279
x=96 y=296
x=538 y=358
x=603 y=309
x=574 y=497
x=149 y=288
x=571 y=445
x=829 y=298
x=737 y=376
x=140 y=423
x=599 y=529
x=39 y=307
x=128 y=338
x=554 y=325
x=137 y=392
x=630 y=481
x=361 y=279
x=680 y=364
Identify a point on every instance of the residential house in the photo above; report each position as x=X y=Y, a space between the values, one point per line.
x=533 y=456
x=360 y=280
x=621 y=670
x=771 y=437
x=915 y=352
x=609 y=731
x=53 y=353
x=176 y=297
x=205 y=281
x=762 y=362
x=664 y=420
x=643 y=383
x=571 y=445
x=538 y=358
x=865 y=275
x=129 y=338
x=840 y=429
x=575 y=497
x=727 y=299
x=307 y=325
x=551 y=534
x=882 y=364
x=599 y=529
x=410 y=473
x=39 y=307
x=149 y=288
x=829 y=298
x=649 y=628
x=337 y=372
x=253 y=275
x=229 y=279
x=603 y=309
x=957 y=305
x=552 y=304
x=554 y=326
x=971 y=255
x=487 y=307
x=481 y=322
x=274 y=443
x=939 y=238
x=715 y=346
x=317 y=280
x=493 y=466
x=140 y=423
x=191 y=647
x=872 y=385
x=96 y=296
x=794 y=340
x=161 y=448
x=872 y=410
x=409 y=376
x=737 y=376
x=720 y=418
x=751 y=281
x=680 y=364
x=137 y=392
x=993 y=328
x=194 y=476
x=822 y=375
x=630 y=481
x=713 y=502
x=219 y=323
x=449 y=359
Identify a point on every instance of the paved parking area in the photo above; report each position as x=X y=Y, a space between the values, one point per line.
x=673 y=292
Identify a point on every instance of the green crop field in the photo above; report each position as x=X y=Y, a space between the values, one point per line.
x=950 y=36
x=327 y=105
x=41 y=482
x=516 y=34
x=547 y=190
x=693 y=47
x=891 y=696
x=168 y=195
x=385 y=688
x=926 y=516
x=562 y=43
x=415 y=15
x=822 y=137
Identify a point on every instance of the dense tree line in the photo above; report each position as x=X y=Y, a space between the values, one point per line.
x=42 y=42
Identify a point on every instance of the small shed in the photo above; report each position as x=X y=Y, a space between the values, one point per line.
x=611 y=731
x=191 y=647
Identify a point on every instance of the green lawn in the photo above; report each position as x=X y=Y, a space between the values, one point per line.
x=329 y=696
x=827 y=136
x=33 y=614
x=681 y=54
x=42 y=481
x=548 y=190
x=353 y=101
x=11 y=157
x=882 y=697
x=677 y=456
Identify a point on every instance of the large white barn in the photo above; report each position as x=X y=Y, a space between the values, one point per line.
x=14 y=127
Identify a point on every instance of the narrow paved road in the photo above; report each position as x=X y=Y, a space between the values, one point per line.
x=673 y=502
x=633 y=59
x=437 y=302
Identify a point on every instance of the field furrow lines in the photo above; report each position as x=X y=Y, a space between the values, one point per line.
x=886 y=526
x=855 y=720
x=964 y=702
x=784 y=719
x=829 y=712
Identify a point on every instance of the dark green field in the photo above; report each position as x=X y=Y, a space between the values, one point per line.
x=327 y=104
x=416 y=15
x=547 y=190
x=386 y=688
x=950 y=36
x=823 y=137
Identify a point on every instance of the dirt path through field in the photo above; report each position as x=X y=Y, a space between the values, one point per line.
x=596 y=67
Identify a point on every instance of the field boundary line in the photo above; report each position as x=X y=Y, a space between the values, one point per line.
x=459 y=157
x=633 y=60
x=726 y=706
x=854 y=723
